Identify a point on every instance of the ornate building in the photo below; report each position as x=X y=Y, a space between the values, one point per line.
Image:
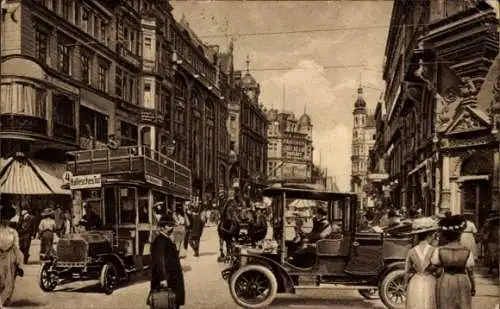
x=290 y=150
x=440 y=135
x=81 y=74
x=363 y=139
x=248 y=131
x=198 y=110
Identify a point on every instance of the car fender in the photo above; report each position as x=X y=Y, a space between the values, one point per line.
x=117 y=262
x=285 y=282
x=390 y=267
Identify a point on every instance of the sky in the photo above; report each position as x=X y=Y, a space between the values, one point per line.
x=314 y=71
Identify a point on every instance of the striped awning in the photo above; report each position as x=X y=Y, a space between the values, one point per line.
x=24 y=177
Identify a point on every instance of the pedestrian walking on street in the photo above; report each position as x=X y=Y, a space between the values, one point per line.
x=456 y=286
x=468 y=238
x=59 y=219
x=46 y=231
x=166 y=269
x=11 y=258
x=187 y=224
x=25 y=230
x=196 y=230
x=420 y=281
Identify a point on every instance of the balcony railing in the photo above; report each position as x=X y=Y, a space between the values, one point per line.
x=133 y=159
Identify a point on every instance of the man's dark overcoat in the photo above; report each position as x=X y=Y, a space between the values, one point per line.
x=166 y=265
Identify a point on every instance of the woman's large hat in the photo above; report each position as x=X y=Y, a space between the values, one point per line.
x=455 y=223
x=158 y=205
x=47 y=212
x=423 y=225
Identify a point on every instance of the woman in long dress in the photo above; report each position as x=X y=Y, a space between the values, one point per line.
x=468 y=238
x=11 y=259
x=456 y=286
x=421 y=284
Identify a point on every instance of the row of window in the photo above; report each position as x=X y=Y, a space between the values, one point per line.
x=82 y=16
x=126 y=85
x=187 y=51
x=251 y=119
x=253 y=153
x=359 y=166
x=64 y=52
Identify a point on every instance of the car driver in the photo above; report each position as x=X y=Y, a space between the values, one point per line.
x=322 y=229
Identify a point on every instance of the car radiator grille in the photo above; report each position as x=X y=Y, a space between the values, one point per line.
x=72 y=250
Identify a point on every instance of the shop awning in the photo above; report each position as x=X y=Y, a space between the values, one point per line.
x=24 y=177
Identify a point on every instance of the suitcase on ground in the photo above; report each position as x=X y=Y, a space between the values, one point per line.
x=162 y=299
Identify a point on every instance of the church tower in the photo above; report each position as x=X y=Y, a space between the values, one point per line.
x=359 y=151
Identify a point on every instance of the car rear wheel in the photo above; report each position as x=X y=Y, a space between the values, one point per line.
x=369 y=293
x=253 y=286
x=392 y=289
x=108 y=278
x=47 y=279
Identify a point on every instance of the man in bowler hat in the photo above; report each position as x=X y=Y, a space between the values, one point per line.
x=166 y=269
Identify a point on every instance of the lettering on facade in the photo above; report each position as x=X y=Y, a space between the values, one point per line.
x=85 y=181
x=153 y=180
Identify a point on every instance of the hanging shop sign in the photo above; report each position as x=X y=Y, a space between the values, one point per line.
x=85 y=181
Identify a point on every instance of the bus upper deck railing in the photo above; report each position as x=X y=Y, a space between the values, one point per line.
x=127 y=159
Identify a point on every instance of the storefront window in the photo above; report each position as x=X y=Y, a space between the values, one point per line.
x=143 y=211
x=127 y=206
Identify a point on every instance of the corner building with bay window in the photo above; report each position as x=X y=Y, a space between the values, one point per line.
x=85 y=74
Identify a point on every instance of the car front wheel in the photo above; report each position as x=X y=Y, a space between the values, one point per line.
x=108 y=278
x=392 y=289
x=253 y=286
x=47 y=278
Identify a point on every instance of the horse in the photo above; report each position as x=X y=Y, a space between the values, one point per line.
x=228 y=230
x=257 y=229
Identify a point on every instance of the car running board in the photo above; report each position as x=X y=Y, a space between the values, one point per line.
x=329 y=286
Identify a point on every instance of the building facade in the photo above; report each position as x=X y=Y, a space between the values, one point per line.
x=87 y=74
x=440 y=130
x=363 y=139
x=248 y=130
x=290 y=147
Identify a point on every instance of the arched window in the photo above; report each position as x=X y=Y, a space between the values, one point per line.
x=180 y=88
x=180 y=117
x=209 y=139
x=196 y=134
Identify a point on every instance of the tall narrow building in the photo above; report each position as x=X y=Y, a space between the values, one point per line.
x=363 y=139
x=290 y=147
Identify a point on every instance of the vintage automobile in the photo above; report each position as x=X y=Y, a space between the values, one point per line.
x=368 y=262
x=87 y=256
